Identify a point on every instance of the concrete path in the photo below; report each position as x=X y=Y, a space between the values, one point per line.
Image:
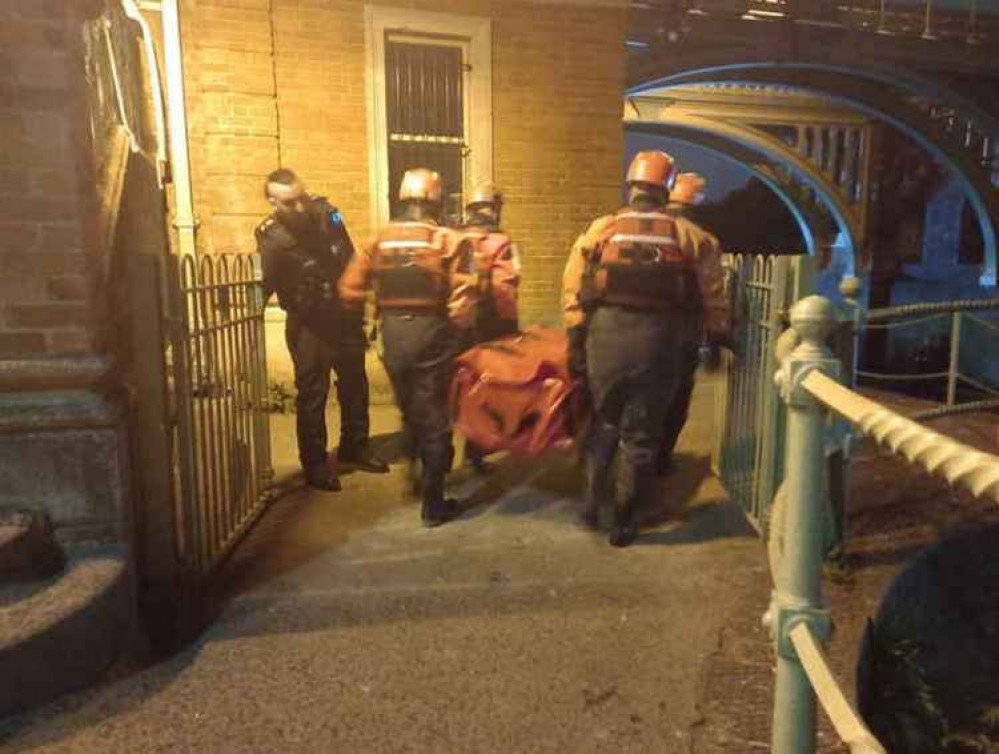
x=349 y=628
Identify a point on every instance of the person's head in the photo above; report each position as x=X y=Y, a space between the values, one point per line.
x=687 y=192
x=285 y=192
x=484 y=206
x=650 y=179
x=421 y=193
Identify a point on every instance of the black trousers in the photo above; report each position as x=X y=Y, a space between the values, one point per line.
x=419 y=355
x=633 y=373
x=679 y=408
x=317 y=349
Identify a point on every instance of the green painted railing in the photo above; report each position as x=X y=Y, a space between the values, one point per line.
x=809 y=384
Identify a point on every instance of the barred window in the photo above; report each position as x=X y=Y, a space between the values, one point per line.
x=426 y=85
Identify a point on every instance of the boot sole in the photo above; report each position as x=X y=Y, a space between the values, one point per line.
x=623 y=539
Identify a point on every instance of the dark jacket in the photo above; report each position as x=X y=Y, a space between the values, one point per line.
x=303 y=267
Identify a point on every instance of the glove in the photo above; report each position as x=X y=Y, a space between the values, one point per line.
x=725 y=340
x=577 y=352
x=711 y=356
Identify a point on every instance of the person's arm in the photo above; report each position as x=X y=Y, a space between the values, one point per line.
x=462 y=289
x=341 y=236
x=711 y=276
x=268 y=263
x=575 y=269
x=355 y=281
x=504 y=281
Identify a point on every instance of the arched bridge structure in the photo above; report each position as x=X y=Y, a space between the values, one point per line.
x=925 y=68
x=811 y=153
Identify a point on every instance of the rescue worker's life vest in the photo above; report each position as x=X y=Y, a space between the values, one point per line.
x=642 y=266
x=408 y=267
x=485 y=247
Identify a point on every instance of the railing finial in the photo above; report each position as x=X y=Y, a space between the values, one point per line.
x=850 y=287
x=814 y=318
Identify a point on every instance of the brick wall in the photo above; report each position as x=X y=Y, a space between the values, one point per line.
x=47 y=301
x=558 y=141
x=281 y=82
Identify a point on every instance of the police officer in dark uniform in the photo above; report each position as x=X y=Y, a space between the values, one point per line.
x=304 y=248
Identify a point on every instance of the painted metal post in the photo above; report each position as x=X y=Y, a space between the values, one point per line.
x=797 y=595
x=928 y=21
x=955 y=353
x=973 y=36
x=261 y=417
x=882 y=29
x=850 y=288
x=180 y=164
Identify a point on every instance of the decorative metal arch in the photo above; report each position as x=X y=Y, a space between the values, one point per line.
x=871 y=91
x=738 y=155
x=754 y=144
x=913 y=84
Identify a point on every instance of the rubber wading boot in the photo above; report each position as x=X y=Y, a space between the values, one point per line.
x=322 y=477
x=625 y=530
x=363 y=458
x=437 y=509
x=414 y=478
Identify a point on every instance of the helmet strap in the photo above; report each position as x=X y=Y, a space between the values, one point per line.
x=484 y=216
x=416 y=210
x=646 y=198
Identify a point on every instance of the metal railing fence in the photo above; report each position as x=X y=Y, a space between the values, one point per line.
x=964 y=316
x=967 y=20
x=797 y=616
x=218 y=367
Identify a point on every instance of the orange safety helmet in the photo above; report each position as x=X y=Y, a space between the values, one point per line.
x=484 y=193
x=654 y=168
x=689 y=189
x=421 y=183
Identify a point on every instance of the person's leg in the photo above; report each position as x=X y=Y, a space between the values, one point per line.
x=431 y=414
x=432 y=429
x=601 y=447
x=400 y=377
x=313 y=360
x=679 y=410
x=476 y=458
x=642 y=420
x=353 y=396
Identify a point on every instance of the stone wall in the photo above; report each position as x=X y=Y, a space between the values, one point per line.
x=63 y=411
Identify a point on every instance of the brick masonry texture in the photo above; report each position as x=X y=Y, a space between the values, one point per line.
x=47 y=298
x=282 y=82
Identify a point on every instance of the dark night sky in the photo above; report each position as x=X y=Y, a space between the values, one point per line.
x=722 y=176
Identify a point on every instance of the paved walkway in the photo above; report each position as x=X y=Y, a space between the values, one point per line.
x=351 y=629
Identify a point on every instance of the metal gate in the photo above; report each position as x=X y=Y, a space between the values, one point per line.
x=203 y=429
x=749 y=457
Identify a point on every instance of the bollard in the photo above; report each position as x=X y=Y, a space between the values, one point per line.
x=797 y=595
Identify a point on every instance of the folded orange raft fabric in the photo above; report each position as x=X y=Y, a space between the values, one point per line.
x=515 y=393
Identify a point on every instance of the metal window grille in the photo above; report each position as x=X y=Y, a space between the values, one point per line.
x=426 y=111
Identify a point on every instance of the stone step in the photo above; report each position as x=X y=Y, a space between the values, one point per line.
x=28 y=550
x=63 y=634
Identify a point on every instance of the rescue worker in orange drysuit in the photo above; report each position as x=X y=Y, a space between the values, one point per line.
x=635 y=294
x=425 y=294
x=497 y=271
x=687 y=192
